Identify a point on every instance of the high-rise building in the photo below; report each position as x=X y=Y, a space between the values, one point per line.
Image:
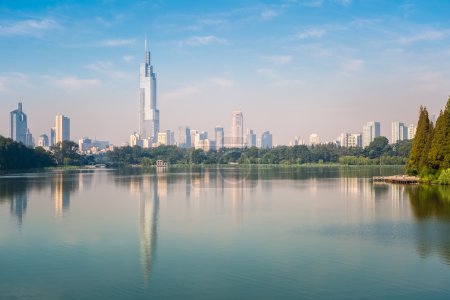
x=62 y=129
x=266 y=140
x=135 y=140
x=165 y=138
x=52 y=136
x=237 y=129
x=43 y=141
x=399 y=132
x=370 y=131
x=29 y=141
x=219 y=137
x=411 y=131
x=18 y=125
x=314 y=139
x=184 y=137
x=250 y=138
x=350 y=140
x=149 y=113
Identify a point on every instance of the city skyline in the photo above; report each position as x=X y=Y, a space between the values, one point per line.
x=354 y=61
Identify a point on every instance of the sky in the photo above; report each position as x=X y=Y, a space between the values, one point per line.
x=293 y=67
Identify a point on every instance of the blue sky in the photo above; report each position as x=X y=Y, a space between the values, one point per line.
x=293 y=67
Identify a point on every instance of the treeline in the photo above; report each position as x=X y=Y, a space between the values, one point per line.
x=430 y=152
x=16 y=156
x=378 y=152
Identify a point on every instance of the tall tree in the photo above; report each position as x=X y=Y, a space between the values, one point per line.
x=419 y=152
x=439 y=155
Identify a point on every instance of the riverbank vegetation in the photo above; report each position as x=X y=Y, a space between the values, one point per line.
x=378 y=152
x=430 y=152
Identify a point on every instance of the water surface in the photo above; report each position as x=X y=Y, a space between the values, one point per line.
x=229 y=233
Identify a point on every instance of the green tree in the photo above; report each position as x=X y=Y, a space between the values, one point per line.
x=439 y=154
x=66 y=153
x=378 y=147
x=421 y=144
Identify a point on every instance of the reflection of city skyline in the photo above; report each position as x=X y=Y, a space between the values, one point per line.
x=60 y=195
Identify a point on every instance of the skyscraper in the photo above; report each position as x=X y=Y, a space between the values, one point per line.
x=62 y=129
x=184 y=137
x=370 y=131
x=18 y=125
x=148 y=114
x=266 y=140
x=399 y=132
x=237 y=129
x=219 y=137
x=411 y=131
x=250 y=138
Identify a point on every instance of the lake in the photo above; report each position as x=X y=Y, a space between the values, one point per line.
x=222 y=233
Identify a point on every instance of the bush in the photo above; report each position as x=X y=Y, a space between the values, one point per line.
x=444 y=178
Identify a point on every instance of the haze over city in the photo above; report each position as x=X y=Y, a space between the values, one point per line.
x=291 y=67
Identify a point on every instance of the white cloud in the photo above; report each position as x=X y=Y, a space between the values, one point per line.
x=128 y=58
x=73 y=82
x=352 y=65
x=426 y=36
x=203 y=40
x=182 y=92
x=278 y=59
x=8 y=81
x=29 y=27
x=107 y=68
x=276 y=80
x=116 y=42
x=310 y=33
x=268 y=14
x=222 y=82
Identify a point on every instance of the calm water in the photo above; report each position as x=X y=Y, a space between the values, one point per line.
x=304 y=233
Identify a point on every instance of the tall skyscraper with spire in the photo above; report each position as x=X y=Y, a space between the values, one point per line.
x=148 y=112
x=19 y=125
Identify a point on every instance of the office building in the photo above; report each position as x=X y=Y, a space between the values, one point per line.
x=183 y=139
x=370 y=131
x=399 y=132
x=314 y=139
x=350 y=140
x=43 y=141
x=18 y=125
x=148 y=113
x=411 y=131
x=237 y=129
x=62 y=129
x=250 y=138
x=219 y=137
x=266 y=140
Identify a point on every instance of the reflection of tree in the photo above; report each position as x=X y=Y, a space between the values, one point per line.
x=428 y=203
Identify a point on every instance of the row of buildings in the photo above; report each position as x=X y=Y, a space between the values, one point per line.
x=20 y=132
x=371 y=130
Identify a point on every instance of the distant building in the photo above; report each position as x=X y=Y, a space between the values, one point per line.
x=199 y=138
x=183 y=139
x=135 y=140
x=350 y=140
x=250 y=138
x=149 y=113
x=370 y=131
x=86 y=145
x=219 y=137
x=399 y=132
x=206 y=145
x=62 y=129
x=52 y=136
x=237 y=129
x=314 y=139
x=411 y=131
x=29 y=141
x=18 y=125
x=165 y=138
x=266 y=140
x=43 y=141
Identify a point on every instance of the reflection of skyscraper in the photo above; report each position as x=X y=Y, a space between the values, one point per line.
x=19 y=205
x=148 y=220
x=60 y=194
